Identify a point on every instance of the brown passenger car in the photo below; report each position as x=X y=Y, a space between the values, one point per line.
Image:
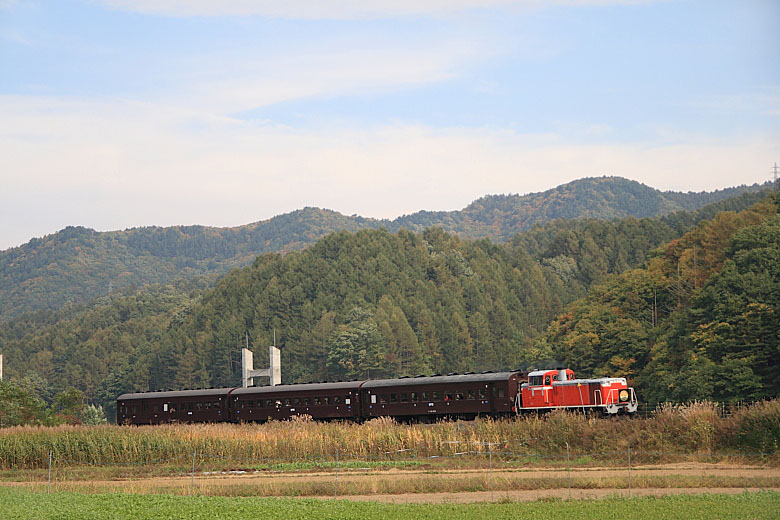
x=209 y=405
x=319 y=400
x=429 y=398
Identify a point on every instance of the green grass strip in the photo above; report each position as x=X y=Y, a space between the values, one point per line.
x=22 y=505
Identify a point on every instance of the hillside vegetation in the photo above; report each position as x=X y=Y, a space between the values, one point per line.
x=700 y=321
x=375 y=303
x=77 y=265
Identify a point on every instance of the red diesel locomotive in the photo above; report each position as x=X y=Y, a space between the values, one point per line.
x=554 y=389
x=423 y=399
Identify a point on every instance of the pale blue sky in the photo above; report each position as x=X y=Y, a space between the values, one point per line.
x=120 y=113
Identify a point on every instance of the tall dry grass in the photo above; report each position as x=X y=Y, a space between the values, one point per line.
x=695 y=428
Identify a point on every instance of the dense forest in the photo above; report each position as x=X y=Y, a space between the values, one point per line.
x=77 y=265
x=686 y=305
x=701 y=320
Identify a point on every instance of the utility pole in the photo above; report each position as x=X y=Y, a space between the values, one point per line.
x=775 y=172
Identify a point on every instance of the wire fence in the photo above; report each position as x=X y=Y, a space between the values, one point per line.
x=490 y=466
x=648 y=409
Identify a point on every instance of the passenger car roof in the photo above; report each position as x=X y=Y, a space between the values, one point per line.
x=175 y=393
x=435 y=380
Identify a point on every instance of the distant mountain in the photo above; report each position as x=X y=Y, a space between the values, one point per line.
x=77 y=264
x=500 y=217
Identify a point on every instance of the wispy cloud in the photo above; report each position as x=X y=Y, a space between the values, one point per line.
x=334 y=9
x=114 y=164
x=226 y=86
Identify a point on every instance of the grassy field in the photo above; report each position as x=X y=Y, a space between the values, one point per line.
x=675 y=433
x=27 y=505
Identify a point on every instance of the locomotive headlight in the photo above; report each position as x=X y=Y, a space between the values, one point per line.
x=623 y=396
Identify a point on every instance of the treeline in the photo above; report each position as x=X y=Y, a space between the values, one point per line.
x=77 y=265
x=684 y=316
x=20 y=404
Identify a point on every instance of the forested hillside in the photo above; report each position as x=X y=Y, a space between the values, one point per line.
x=700 y=321
x=375 y=303
x=77 y=264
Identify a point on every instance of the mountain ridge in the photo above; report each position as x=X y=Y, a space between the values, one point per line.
x=78 y=264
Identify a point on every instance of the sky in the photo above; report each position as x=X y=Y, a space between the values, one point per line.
x=127 y=113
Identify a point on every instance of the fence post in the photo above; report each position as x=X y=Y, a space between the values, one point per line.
x=629 y=469
x=490 y=481
x=192 y=475
x=568 y=468
x=336 y=487
x=49 y=486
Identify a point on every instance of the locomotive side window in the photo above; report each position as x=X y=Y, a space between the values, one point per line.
x=251 y=403
x=546 y=380
x=535 y=380
x=207 y=405
x=306 y=401
x=472 y=394
x=269 y=403
x=436 y=395
x=336 y=399
x=382 y=398
x=482 y=393
x=447 y=396
x=297 y=401
x=414 y=396
x=287 y=402
x=317 y=401
x=145 y=406
x=404 y=397
x=459 y=396
x=500 y=392
x=156 y=408
x=216 y=405
x=326 y=400
x=424 y=396
x=393 y=398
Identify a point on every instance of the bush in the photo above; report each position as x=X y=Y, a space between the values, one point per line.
x=93 y=415
x=756 y=428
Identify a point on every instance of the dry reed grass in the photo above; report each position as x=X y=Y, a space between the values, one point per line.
x=673 y=432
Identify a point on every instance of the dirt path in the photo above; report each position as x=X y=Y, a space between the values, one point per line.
x=530 y=495
x=383 y=484
x=351 y=475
